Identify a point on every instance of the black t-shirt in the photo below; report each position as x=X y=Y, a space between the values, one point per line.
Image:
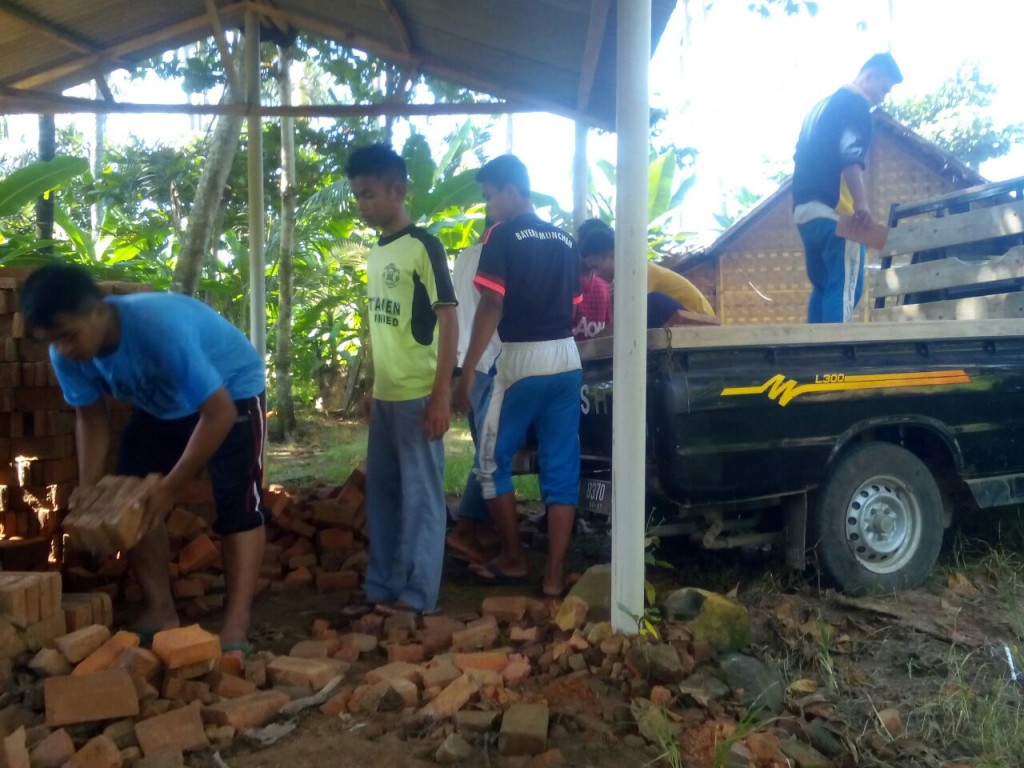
x=835 y=134
x=535 y=266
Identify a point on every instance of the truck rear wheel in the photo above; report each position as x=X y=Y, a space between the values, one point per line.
x=878 y=522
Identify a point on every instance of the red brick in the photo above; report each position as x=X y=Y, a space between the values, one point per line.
x=180 y=730
x=412 y=653
x=186 y=645
x=251 y=711
x=300 y=577
x=504 y=608
x=99 y=752
x=105 y=656
x=524 y=730
x=477 y=635
x=396 y=670
x=313 y=674
x=453 y=698
x=53 y=751
x=230 y=686
x=334 y=540
x=89 y=698
x=13 y=750
x=140 y=663
x=338 y=703
x=314 y=649
x=49 y=662
x=516 y=671
x=80 y=643
x=336 y=581
x=198 y=554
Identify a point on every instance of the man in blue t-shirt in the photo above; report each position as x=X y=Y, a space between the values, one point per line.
x=197 y=388
x=529 y=281
x=828 y=180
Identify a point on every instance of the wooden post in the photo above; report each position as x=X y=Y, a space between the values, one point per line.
x=254 y=128
x=632 y=107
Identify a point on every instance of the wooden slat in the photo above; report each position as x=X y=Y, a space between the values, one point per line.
x=1000 y=305
x=957 y=229
x=780 y=335
x=948 y=273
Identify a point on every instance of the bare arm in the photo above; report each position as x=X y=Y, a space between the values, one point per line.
x=92 y=440
x=437 y=414
x=217 y=416
x=485 y=323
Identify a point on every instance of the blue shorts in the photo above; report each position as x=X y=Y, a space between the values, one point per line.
x=550 y=403
x=149 y=444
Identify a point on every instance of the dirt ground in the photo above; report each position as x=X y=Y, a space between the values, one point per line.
x=915 y=679
x=905 y=680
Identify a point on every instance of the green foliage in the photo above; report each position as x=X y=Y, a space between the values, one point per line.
x=670 y=178
x=30 y=182
x=958 y=118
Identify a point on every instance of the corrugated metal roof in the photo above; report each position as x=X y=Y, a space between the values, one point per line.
x=557 y=55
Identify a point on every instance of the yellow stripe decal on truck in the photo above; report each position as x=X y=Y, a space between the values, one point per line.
x=782 y=390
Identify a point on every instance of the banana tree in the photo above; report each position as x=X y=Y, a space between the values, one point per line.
x=18 y=243
x=670 y=178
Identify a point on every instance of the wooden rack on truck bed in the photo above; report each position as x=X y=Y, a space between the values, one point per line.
x=959 y=256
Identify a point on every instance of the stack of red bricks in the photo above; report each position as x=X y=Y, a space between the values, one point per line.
x=38 y=468
x=318 y=536
x=34 y=610
x=92 y=699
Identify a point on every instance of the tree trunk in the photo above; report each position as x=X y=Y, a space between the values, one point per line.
x=195 y=243
x=98 y=150
x=44 y=206
x=284 y=424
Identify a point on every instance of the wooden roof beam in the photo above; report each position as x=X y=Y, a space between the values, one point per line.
x=321 y=27
x=116 y=53
x=399 y=24
x=592 y=52
x=234 y=81
x=18 y=101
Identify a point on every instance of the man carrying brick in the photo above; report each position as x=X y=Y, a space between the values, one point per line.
x=414 y=334
x=196 y=385
x=529 y=280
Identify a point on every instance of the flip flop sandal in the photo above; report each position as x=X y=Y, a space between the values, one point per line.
x=246 y=649
x=492 y=574
x=358 y=609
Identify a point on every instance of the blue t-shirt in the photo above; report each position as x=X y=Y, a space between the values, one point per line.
x=174 y=353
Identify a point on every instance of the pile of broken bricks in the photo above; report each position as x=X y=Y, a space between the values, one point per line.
x=520 y=677
x=525 y=675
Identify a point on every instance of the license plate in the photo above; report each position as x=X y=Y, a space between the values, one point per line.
x=596 y=496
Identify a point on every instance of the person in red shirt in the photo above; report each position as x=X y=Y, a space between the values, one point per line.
x=593 y=315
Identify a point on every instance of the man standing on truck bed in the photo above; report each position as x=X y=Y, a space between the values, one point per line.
x=828 y=180
x=528 y=280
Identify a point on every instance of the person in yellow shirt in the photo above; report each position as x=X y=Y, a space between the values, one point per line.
x=598 y=254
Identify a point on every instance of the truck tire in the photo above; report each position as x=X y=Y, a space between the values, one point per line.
x=877 y=525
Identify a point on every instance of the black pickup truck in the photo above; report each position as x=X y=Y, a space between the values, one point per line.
x=854 y=444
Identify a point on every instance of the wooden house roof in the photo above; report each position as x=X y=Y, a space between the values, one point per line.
x=550 y=55
x=938 y=161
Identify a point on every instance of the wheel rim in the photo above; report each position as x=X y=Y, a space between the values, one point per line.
x=883 y=524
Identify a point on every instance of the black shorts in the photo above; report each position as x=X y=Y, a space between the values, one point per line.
x=149 y=444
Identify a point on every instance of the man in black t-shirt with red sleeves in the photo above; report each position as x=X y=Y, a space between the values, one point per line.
x=528 y=280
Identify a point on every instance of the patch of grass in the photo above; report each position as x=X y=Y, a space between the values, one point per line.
x=326 y=450
x=979 y=711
